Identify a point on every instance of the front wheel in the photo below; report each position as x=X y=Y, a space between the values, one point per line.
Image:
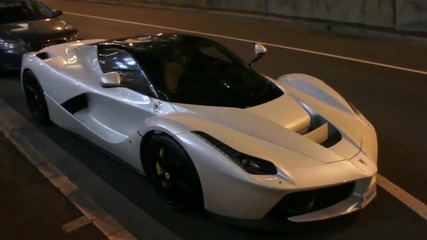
x=173 y=174
x=35 y=99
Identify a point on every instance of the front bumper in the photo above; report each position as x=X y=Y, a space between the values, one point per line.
x=230 y=192
x=10 y=59
x=364 y=192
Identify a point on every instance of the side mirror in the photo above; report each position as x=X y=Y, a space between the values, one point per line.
x=57 y=13
x=260 y=51
x=110 y=79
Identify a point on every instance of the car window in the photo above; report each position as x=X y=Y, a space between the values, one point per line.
x=23 y=10
x=132 y=76
x=200 y=71
x=44 y=9
x=214 y=53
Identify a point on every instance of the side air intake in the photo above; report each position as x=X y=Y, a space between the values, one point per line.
x=43 y=55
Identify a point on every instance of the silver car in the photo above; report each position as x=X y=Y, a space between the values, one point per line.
x=207 y=130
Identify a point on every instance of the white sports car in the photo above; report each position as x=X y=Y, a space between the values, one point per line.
x=207 y=130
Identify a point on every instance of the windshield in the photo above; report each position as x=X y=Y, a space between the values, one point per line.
x=23 y=10
x=200 y=71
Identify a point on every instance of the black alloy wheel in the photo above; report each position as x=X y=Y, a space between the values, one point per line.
x=35 y=99
x=173 y=174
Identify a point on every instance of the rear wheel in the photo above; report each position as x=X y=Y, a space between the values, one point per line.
x=35 y=99
x=173 y=174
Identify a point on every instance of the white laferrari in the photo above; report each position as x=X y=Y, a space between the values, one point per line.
x=207 y=130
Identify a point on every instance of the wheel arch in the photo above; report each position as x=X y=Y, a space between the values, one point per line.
x=35 y=97
x=24 y=72
x=147 y=136
x=145 y=141
x=159 y=125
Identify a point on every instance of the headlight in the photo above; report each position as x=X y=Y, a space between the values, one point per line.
x=248 y=163
x=11 y=45
x=75 y=37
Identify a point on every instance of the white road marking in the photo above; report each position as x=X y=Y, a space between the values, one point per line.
x=76 y=224
x=410 y=201
x=252 y=41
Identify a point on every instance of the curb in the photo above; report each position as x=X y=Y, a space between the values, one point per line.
x=91 y=211
x=101 y=204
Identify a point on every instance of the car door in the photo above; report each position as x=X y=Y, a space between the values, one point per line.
x=116 y=113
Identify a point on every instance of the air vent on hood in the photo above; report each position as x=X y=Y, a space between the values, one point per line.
x=326 y=135
x=321 y=131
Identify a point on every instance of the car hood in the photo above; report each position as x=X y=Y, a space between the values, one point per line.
x=38 y=30
x=284 y=122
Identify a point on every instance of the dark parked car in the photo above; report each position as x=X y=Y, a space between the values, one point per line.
x=29 y=25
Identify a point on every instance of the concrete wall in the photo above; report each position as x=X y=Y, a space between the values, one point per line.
x=409 y=15
x=197 y=3
x=368 y=12
x=240 y=5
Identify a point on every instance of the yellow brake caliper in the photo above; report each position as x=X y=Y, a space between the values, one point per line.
x=160 y=170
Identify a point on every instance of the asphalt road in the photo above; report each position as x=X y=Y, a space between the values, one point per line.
x=393 y=100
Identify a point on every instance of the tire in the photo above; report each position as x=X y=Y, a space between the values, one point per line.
x=34 y=96
x=173 y=174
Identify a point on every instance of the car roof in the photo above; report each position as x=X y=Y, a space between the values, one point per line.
x=146 y=41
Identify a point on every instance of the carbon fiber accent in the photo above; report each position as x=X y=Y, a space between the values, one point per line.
x=298 y=203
